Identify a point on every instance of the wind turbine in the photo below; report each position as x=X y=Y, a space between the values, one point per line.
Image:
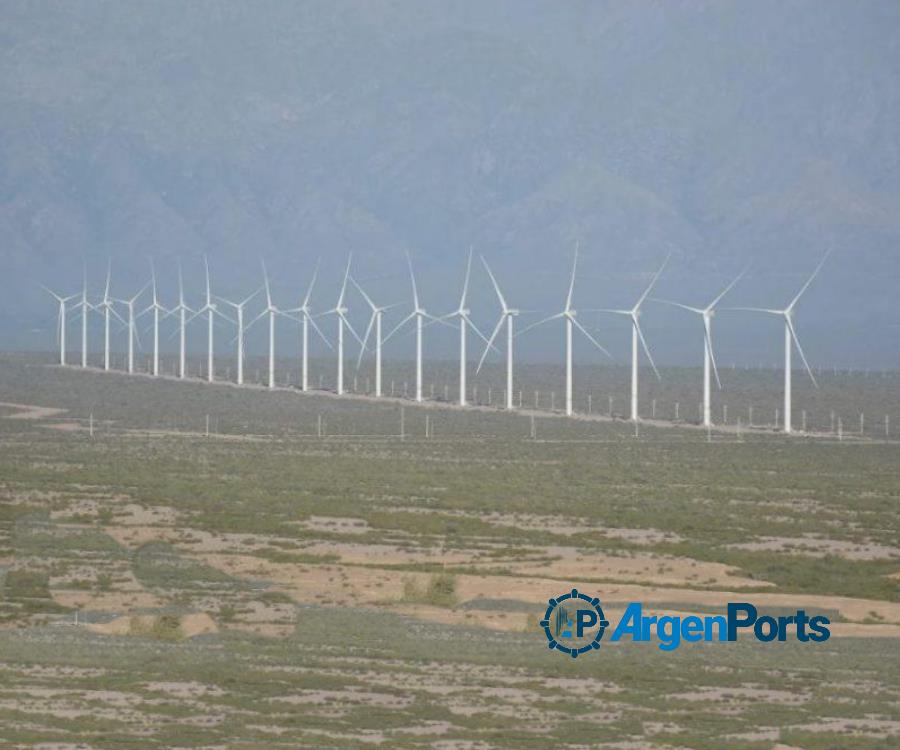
x=182 y=309
x=507 y=315
x=156 y=309
x=211 y=310
x=340 y=311
x=790 y=339
x=271 y=311
x=132 y=328
x=569 y=314
x=85 y=307
x=709 y=360
x=306 y=319
x=106 y=305
x=376 y=321
x=462 y=312
x=239 y=310
x=418 y=314
x=60 y=321
x=637 y=336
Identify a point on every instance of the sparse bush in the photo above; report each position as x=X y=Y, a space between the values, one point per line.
x=440 y=591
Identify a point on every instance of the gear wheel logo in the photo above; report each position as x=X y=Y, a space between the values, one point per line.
x=574 y=623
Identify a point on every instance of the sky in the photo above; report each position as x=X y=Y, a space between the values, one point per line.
x=725 y=136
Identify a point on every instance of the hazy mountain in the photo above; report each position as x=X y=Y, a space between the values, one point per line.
x=725 y=132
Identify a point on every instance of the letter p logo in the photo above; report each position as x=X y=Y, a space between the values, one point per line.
x=585 y=619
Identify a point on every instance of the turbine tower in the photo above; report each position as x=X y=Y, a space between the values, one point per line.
x=340 y=311
x=709 y=360
x=306 y=320
x=211 y=310
x=790 y=339
x=132 y=327
x=85 y=307
x=60 y=321
x=106 y=304
x=637 y=337
x=239 y=311
x=375 y=320
x=465 y=321
x=507 y=315
x=156 y=309
x=569 y=314
x=182 y=309
x=418 y=314
x=271 y=311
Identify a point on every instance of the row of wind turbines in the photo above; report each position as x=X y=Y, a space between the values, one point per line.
x=418 y=316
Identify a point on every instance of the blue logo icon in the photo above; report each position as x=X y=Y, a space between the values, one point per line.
x=574 y=623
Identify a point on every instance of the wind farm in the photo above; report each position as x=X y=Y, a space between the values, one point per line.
x=449 y=376
x=374 y=340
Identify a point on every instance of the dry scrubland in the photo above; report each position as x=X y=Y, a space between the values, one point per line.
x=264 y=587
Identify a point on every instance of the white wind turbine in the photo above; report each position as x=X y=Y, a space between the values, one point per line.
x=271 y=311
x=569 y=314
x=306 y=320
x=709 y=360
x=507 y=315
x=638 y=340
x=790 y=339
x=60 y=321
x=418 y=314
x=131 y=324
x=239 y=312
x=375 y=320
x=106 y=305
x=182 y=309
x=156 y=309
x=465 y=321
x=340 y=311
x=211 y=310
x=85 y=307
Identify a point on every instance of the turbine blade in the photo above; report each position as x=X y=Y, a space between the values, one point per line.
x=266 y=283
x=727 y=289
x=108 y=278
x=809 y=281
x=572 y=281
x=677 y=304
x=350 y=328
x=707 y=333
x=646 y=348
x=312 y=282
x=465 y=291
x=362 y=349
x=590 y=338
x=540 y=322
x=475 y=328
x=490 y=342
x=496 y=285
x=208 y=291
x=256 y=320
x=400 y=325
x=318 y=330
x=340 y=302
x=412 y=278
x=363 y=293
x=652 y=282
x=790 y=325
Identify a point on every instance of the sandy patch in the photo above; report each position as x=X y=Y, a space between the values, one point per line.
x=31 y=411
x=813 y=546
x=336 y=525
x=191 y=625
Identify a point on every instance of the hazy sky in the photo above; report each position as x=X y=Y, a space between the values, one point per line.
x=724 y=133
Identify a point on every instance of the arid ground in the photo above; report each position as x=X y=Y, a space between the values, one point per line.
x=265 y=586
